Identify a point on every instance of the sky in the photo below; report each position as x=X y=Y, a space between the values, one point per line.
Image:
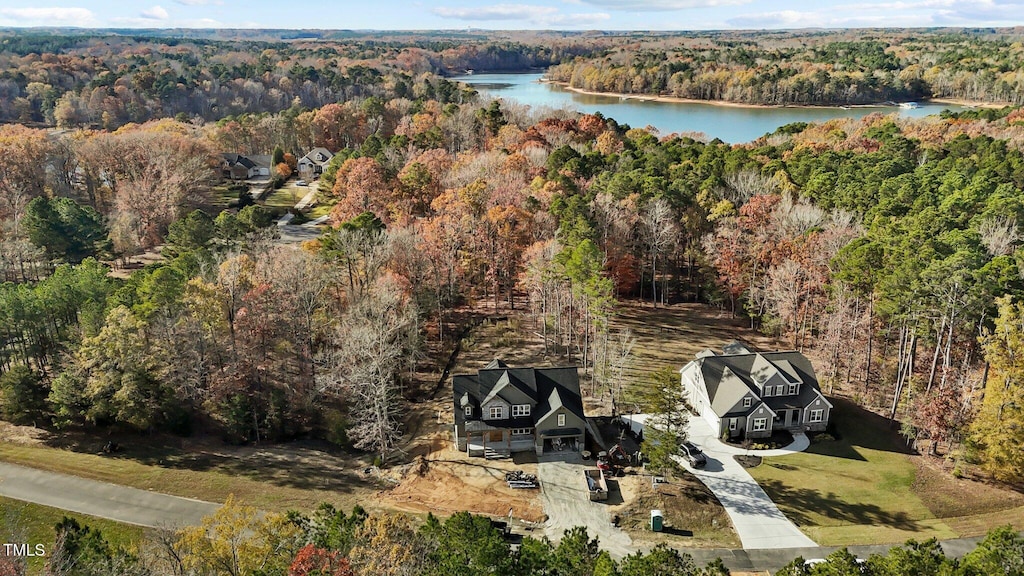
x=512 y=15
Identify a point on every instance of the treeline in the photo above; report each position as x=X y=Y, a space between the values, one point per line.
x=110 y=80
x=882 y=244
x=239 y=540
x=819 y=69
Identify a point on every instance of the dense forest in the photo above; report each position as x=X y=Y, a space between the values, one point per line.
x=108 y=80
x=890 y=249
x=811 y=68
x=241 y=540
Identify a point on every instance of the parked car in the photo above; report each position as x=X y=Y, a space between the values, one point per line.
x=694 y=456
x=301 y=183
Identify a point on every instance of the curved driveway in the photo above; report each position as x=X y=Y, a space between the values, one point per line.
x=757 y=520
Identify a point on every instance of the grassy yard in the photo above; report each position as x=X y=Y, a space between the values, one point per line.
x=221 y=196
x=318 y=211
x=285 y=196
x=865 y=488
x=21 y=522
x=275 y=479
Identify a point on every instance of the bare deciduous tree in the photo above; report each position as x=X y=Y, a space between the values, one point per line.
x=373 y=342
x=999 y=235
x=660 y=233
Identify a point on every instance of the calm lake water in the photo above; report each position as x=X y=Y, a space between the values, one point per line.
x=730 y=124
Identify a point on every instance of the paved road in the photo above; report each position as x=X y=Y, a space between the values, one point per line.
x=567 y=504
x=119 y=503
x=772 y=560
x=564 y=501
x=757 y=520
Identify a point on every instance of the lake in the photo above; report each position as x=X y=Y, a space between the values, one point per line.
x=729 y=123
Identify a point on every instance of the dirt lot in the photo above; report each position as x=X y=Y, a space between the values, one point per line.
x=670 y=336
x=447 y=481
x=693 y=516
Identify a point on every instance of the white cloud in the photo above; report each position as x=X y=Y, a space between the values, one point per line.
x=198 y=2
x=893 y=13
x=79 y=16
x=575 y=20
x=205 y=23
x=496 y=12
x=155 y=13
x=661 y=5
x=542 y=16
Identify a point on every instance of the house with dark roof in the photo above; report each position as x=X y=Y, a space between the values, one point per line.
x=240 y=167
x=500 y=410
x=748 y=394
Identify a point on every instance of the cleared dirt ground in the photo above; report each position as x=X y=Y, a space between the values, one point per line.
x=445 y=481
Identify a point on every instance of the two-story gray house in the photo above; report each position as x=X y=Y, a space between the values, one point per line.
x=749 y=394
x=500 y=410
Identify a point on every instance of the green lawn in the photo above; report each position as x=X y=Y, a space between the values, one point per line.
x=865 y=488
x=319 y=210
x=221 y=196
x=33 y=524
x=285 y=196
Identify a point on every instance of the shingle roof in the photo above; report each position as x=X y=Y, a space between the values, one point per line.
x=728 y=378
x=546 y=388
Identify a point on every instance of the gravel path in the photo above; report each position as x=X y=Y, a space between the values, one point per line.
x=567 y=504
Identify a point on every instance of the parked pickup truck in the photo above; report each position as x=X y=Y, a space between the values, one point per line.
x=597 y=487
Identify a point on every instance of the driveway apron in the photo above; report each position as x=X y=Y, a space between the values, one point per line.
x=757 y=520
x=567 y=504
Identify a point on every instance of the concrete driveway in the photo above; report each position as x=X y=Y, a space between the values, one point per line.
x=757 y=520
x=100 y=499
x=567 y=504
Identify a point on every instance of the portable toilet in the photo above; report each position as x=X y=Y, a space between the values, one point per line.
x=656 y=520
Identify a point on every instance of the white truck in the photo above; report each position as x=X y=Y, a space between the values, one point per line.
x=597 y=487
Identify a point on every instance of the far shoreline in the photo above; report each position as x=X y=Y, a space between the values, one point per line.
x=729 y=104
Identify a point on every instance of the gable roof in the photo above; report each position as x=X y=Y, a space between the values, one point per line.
x=546 y=389
x=318 y=155
x=729 y=377
x=232 y=159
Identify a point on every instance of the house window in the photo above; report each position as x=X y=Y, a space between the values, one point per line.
x=792 y=389
x=469 y=410
x=732 y=424
x=522 y=431
x=816 y=415
x=497 y=413
x=746 y=402
x=760 y=424
x=561 y=419
x=520 y=410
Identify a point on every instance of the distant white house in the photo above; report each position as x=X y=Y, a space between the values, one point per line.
x=313 y=164
x=749 y=394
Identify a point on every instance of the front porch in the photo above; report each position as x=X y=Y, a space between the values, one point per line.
x=498 y=443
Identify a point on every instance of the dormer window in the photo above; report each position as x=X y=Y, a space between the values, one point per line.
x=469 y=410
x=792 y=389
x=746 y=402
x=520 y=410
x=497 y=413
